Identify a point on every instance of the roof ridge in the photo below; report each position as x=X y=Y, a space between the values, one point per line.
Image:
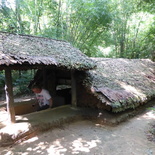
x=33 y=36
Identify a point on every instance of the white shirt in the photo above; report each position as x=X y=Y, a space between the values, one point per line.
x=43 y=97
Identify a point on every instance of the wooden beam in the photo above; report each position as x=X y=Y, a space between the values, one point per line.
x=74 y=89
x=9 y=95
x=44 y=79
x=52 y=83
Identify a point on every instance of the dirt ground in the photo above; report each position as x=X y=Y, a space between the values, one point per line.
x=85 y=137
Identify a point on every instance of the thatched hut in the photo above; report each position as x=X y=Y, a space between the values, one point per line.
x=23 y=52
x=117 y=84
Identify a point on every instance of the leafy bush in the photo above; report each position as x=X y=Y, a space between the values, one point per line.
x=20 y=82
x=2 y=79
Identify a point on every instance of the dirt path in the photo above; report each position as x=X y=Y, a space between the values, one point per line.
x=88 y=138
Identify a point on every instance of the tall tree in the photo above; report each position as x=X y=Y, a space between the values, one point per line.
x=127 y=31
x=87 y=21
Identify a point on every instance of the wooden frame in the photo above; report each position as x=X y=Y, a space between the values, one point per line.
x=9 y=95
x=74 y=89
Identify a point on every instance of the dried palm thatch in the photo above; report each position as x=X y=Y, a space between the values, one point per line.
x=121 y=83
x=32 y=50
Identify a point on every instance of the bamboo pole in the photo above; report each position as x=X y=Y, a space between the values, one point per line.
x=9 y=95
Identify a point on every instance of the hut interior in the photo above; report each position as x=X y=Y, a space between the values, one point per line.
x=57 y=82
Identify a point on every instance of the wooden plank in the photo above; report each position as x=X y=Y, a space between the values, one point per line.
x=74 y=89
x=9 y=95
x=44 y=79
x=52 y=83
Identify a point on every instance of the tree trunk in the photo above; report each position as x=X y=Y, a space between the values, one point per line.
x=122 y=49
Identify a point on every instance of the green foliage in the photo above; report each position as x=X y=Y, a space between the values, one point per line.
x=2 y=79
x=90 y=18
x=21 y=80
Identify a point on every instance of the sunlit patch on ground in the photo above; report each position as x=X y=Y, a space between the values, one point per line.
x=56 y=148
x=81 y=145
x=150 y=115
x=3 y=118
x=31 y=140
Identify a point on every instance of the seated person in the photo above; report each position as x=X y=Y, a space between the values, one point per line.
x=44 y=99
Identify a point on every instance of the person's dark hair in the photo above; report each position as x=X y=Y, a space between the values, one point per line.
x=36 y=86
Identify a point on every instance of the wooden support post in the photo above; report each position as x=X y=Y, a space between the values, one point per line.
x=9 y=95
x=52 y=83
x=73 y=86
x=44 y=79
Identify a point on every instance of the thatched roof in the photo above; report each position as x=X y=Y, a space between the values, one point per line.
x=122 y=83
x=31 y=50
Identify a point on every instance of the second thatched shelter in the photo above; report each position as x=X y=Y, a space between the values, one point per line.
x=117 y=84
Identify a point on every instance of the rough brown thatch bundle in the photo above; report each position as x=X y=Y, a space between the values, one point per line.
x=121 y=83
x=32 y=50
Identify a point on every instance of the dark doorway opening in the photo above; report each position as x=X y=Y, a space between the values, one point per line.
x=57 y=82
